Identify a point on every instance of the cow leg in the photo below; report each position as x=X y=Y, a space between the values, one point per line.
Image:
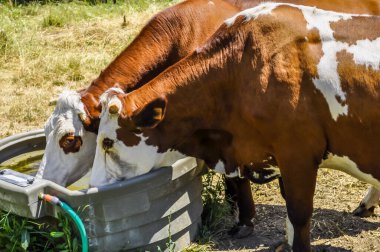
x=239 y=195
x=368 y=203
x=299 y=184
x=282 y=189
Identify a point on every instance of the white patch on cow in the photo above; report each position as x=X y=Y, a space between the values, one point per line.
x=253 y=13
x=121 y=161
x=346 y=165
x=329 y=81
x=234 y=174
x=365 y=52
x=211 y=3
x=289 y=231
x=371 y=199
x=267 y=8
x=220 y=168
x=106 y=99
x=57 y=166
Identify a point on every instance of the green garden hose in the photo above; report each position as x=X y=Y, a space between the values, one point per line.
x=78 y=222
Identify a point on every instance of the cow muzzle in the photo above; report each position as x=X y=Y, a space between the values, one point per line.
x=107 y=143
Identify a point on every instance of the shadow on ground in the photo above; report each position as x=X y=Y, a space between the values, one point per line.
x=270 y=223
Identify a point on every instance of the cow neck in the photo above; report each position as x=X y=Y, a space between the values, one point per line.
x=201 y=79
x=200 y=72
x=159 y=45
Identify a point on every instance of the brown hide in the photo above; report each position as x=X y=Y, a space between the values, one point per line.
x=174 y=33
x=254 y=80
x=169 y=37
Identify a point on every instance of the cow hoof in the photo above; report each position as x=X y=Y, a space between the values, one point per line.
x=239 y=232
x=363 y=212
x=282 y=247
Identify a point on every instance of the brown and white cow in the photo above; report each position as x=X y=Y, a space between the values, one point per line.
x=163 y=41
x=102 y=173
x=293 y=86
x=168 y=37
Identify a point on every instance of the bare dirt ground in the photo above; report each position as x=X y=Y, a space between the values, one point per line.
x=334 y=228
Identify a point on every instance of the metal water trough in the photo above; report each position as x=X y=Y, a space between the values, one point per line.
x=131 y=215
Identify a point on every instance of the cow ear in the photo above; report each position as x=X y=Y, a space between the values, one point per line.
x=150 y=115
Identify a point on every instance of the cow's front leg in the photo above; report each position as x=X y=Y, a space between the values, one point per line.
x=239 y=194
x=368 y=203
x=299 y=178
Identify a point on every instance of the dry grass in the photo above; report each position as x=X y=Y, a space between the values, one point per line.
x=45 y=49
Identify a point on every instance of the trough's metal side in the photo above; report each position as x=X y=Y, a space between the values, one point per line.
x=21 y=143
x=131 y=215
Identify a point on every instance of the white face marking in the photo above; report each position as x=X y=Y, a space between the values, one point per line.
x=365 y=52
x=372 y=197
x=121 y=161
x=289 y=231
x=348 y=166
x=106 y=99
x=61 y=168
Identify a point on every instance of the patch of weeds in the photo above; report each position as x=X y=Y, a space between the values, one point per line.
x=4 y=41
x=21 y=234
x=32 y=9
x=170 y=244
x=142 y=5
x=70 y=69
x=54 y=19
x=198 y=248
x=58 y=83
x=217 y=215
x=74 y=69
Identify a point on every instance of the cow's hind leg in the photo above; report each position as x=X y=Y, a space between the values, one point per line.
x=299 y=178
x=368 y=203
x=239 y=195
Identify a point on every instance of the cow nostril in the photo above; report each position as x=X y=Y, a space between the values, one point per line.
x=107 y=143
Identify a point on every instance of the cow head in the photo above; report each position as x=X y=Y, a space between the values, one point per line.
x=126 y=154
x=126 y=147
x=70 y=149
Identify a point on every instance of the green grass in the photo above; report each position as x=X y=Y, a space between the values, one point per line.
x=21 y=234
x=217 y=217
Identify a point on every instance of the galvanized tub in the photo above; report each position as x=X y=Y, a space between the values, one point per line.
x=133 y=215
